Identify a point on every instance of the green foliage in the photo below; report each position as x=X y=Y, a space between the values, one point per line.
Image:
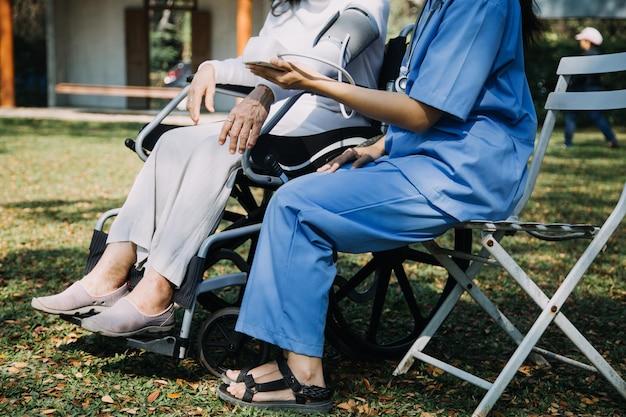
x=558 y=41
x=165 y=49
x=401 y=13
x=170 y=34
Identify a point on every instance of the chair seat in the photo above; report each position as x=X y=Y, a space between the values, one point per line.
x=547 y=230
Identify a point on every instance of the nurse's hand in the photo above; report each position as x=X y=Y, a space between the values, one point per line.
x=288 y=75
x=202 y=85
x=246 y=119
x=361 y=155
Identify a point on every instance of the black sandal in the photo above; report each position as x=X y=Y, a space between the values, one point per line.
x=240 y=377
x=309 y=398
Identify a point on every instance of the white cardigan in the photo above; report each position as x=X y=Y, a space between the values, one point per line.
x=296 y=30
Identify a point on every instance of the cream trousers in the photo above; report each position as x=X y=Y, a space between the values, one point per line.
x=177 y=199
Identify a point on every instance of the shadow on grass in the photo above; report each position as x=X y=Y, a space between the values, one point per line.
x=567 y=207
x=131 y=361
x=41 y=270
x=597 y=174
x=69 y=211
x=469 y=340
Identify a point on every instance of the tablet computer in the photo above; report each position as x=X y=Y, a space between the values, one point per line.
x=264 y=64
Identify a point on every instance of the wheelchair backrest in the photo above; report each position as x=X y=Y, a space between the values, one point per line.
x=561 y=99
x=392 y=60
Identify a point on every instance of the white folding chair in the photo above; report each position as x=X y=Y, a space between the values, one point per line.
x=492 y=252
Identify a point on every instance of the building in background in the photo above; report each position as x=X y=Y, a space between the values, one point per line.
x=92 y=43
x=111 y=43
x=96 y=42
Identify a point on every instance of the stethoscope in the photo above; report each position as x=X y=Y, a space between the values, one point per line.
x=402 y=79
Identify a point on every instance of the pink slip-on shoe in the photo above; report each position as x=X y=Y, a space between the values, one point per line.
x=124 y=319
x=76 y=301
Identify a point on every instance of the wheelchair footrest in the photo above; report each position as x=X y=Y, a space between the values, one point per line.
x=166 y=346
x=77 y=320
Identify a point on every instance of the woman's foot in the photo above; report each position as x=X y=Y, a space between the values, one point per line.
x=297 y=382
x=124 y=319
x=98 y=290
x=77 y=301
x=147 y=308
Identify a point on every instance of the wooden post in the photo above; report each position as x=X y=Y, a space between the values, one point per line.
x=244 y=24
x=7 y=69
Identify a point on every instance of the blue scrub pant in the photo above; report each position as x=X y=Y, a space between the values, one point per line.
x=597 y=117
x=373 y=208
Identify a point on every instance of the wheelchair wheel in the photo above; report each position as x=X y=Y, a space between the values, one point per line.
x=379 y=311
x=220 y=347
x=226 y=297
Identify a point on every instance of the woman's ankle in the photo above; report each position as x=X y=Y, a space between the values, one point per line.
x=111 y=271
x=307 y=370
x=98 y=284
x=153 y=293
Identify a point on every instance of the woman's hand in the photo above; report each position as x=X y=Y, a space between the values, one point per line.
x=246 y=119
x=360 y=155
x=203 y=85
x=288 y=75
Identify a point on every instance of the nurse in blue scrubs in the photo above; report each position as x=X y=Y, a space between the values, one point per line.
x=459 y=139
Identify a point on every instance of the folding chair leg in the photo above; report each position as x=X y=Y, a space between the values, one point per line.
x=551 y=311
x=522 y=352
x=481 y=299
x=518 y=358
x=601 y=365
x=464 y=283
x=429 y=331
x=435 y=322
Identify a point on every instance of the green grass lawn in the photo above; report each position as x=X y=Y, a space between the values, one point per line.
x=57 y=177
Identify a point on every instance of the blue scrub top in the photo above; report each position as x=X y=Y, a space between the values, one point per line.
x=468 y=61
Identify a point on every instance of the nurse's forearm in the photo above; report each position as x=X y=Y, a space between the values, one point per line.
x=393 y=108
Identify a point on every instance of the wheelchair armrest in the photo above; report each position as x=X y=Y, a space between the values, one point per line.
x=156 y=121
x=268 y=180
x=233 y=90
x=229 y=89
x=226 y=235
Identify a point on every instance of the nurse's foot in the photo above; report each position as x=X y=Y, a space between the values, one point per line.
x=111 y=271
x=153 y=294
x=259 y=371
x=307 y=371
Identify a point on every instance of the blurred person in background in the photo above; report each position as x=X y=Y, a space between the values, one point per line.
x=589 y=40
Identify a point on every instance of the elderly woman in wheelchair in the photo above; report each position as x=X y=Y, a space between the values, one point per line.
x=180 y=193
x=466 y=108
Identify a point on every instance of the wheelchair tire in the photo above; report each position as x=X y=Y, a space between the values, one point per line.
x=378 y=312
x=220 y=347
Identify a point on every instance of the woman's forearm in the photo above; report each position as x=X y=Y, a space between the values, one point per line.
x=389 y=107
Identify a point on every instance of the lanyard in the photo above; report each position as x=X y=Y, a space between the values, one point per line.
x=415 y=37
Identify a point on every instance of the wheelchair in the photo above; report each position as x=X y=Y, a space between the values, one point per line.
x=375 y=313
